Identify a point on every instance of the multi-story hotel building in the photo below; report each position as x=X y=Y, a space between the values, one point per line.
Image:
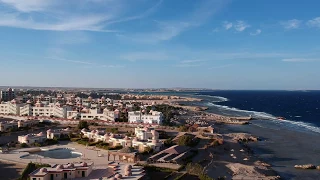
x=50 y=110
x=94 y=114
x=10 y=108
x=153 y=117
x=7 y=95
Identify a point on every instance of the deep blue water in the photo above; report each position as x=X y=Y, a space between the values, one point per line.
x=295 y=106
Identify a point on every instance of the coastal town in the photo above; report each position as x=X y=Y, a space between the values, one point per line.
x=69 y=134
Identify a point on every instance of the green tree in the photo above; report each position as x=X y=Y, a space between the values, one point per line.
x=183 y=128
x=24 y=145
x=185 y=140
x=148 y=150
x=83 y=124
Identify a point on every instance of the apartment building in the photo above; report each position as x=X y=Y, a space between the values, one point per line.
x=10 y=108
x=153 y=117
x=7 y=95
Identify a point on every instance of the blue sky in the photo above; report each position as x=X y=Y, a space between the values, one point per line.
x=224 y=44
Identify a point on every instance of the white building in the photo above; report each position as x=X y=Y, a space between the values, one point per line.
x=50 y=110
x=66 y=171
x=145 y=133
x=94 y=114
x=154 y=117
x=57 y=133
x=125 y=141
x=32 y=138
x=10 y=108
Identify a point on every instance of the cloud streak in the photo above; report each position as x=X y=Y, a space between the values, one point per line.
x=314 y=22
x=257 y=32
x=227 y=25
x=291 y=24
x=61 y=15
x=222 y=66
x=299 y=60
x=167 y=30
x=241 y=26
x=89 y=63
x=145 y=56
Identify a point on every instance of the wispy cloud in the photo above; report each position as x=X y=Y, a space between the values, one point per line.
x=257 y=32
x=145 y=56
x=314 y=22
x=167 y=30
x=299 y=60
x=192 y=61
x=291 y=24
x=139 y=16
x=222 y=66
x=28 y=5
x=68 y=60
x=87 y=63
x=69 y=38
x=227 y=25
x=61 y=15
x=241 y=26
x=187 y=65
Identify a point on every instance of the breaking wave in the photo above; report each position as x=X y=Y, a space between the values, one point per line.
x=254 y=114
x=264 y=115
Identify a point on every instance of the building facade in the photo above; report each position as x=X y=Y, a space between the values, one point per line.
x=32 y=138
x=7 y=95
x=10 y=108
x=148 y=137
x=63 y=171
x=153 y=117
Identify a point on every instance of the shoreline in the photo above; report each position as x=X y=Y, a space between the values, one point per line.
x=249 y=166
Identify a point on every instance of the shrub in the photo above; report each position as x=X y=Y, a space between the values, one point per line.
x=49 y=142
x=187 y=140
x=30 y=168
x=24 y=145
x=147 y=150
x=83 y=124
x=94 y=143
x=198 y=170
x=112 y=130
x=168 y=142
x=183 y=128
x=37 y=144
x=116 y=148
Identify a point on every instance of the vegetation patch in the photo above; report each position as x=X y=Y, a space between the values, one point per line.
x=30 y=168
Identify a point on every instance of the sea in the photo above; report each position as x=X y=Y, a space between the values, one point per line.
x=285 y=143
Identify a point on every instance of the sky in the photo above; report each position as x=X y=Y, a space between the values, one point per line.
x=220 y=44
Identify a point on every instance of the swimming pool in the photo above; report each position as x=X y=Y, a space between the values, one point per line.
x=58 y=153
